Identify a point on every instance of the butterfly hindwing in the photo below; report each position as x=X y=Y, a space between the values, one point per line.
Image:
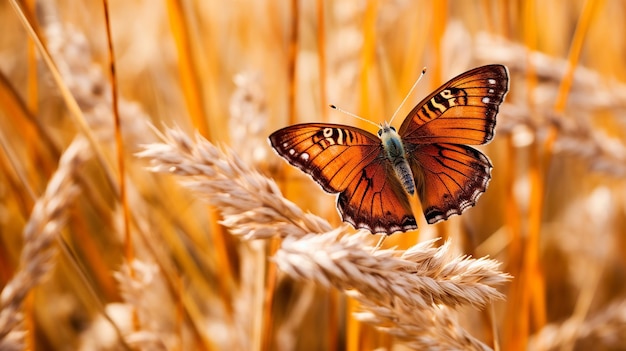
x=376 y=201
x=450 y=178
x=462 y=111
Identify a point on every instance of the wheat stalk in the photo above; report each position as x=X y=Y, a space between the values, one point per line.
x=607 y=327
x=405 y=293
x=251 y=205
x=142 y=288
x=435 y=328
x=88 y=83
x=590 y=92
x=42 y=229
x=248 y=117
x=420 y=277
x=600 y=151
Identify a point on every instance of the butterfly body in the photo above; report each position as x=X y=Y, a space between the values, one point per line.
x=396 y=155
x=429 y=155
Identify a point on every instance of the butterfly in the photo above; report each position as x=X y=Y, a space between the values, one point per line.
x=374 y=175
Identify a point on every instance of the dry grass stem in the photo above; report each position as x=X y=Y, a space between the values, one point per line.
x=142 y=287
x=251 y=204
x=590 y=90
x=602 y=152
x=420 y=277
x=590 y=93
x=436 y=328
x=14 y=340
x=249 y=117
x=607 y=328
x=90 y=87
x=42 y=229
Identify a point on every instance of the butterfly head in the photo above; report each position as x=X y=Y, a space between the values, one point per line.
x=392 y=143
x=386 y=131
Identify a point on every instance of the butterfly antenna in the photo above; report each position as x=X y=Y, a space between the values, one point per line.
x=407 y=95
x=353 y=115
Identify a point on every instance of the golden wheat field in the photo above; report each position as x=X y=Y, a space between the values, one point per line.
x=142 y=207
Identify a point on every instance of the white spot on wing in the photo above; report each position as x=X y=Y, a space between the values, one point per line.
x=304 y=156
x=292 y=152
x=492 y=81
x=465 y=204
x=491 y=91
x=395 y=228
x=285 y=144
x=486 y=100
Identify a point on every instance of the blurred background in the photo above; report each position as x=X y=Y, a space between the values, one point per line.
x=235 y=71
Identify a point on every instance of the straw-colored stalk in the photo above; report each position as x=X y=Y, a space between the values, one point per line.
x=39 y=253
x=409 y=294
x=607 y=328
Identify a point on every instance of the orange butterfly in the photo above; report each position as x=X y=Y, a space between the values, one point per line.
x=374 y=174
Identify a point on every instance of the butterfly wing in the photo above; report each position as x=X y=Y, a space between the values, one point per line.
x=349 y=161
x=462 y=111
x=375 y=200
x=450 y=176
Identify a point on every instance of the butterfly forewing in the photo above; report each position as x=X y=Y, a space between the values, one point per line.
x=462 y=111
x=452 y=178
x=332 y=154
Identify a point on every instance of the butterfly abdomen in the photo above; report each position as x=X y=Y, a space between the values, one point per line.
x=395 y=153
x=404 y=174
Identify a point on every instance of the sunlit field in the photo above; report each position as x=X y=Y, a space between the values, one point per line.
x=143 y=208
